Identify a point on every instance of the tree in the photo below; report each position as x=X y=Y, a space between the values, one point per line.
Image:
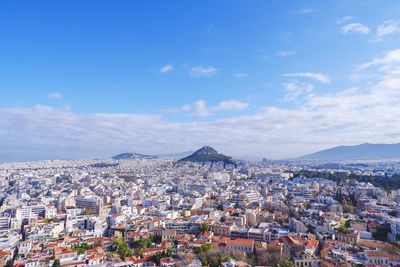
x=205 y=247
x=80 y=249
x=50 y=220
x=164 y=254
x=381 y=233
x=386 y=182
x=138 y=252
x=353 y=199
x=284 y=263
x=89 y=212
x=339 y=196
x=122 y=248
x=212 y=257
x=204 y=227
x=56 y=263
x=155 y=239
x=342 y=229
x=143 y=243
x=348 y=209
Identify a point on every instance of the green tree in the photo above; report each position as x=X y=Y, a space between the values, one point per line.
x=342 y=229
x=205 y=247
x=80 y=249
x=89 y=212
x=381 y=233
x=353 y=199
x=155 y=239
x=348 y=209
x=138 y=252
x=144 y=243
x=204 y=227
x=122 y=248
x=164 y=254
x=56 y=263
x=284 y=263
x=339 y=196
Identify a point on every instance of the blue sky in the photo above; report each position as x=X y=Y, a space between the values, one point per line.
x=85 y=79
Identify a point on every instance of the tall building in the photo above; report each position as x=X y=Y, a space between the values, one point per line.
x=30 y=212
x=89 y=203
x=5 y=222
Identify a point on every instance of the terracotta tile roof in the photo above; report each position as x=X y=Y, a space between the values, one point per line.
x=72 y=264
x=275 y=244
x=373 y=224
x=62 y=250
x=375 y=244
x=143 y=260
x=131 y=234
x=5 y=253
x=240 y=242
x=97 y=249
x=377 y=254
x=96 y=256
x=312 y=244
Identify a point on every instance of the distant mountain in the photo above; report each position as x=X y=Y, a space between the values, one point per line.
x=129 y=155
x=175 y=155
x=207 y=154
x=357 y=152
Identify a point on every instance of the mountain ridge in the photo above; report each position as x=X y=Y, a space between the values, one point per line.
x=365 y=151
x=131 y=155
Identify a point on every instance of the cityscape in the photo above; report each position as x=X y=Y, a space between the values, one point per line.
x=199 y=133
x=204 y=209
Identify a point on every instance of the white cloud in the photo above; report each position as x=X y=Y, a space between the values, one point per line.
x=344 y=19
x=232 y=105
x=348 y=116
x=387 y=28
x=240 y=75
x=286 y=53
x=306 y=10
x=297 y=92
x=355 y=28
x=322 y=78
x=167 y=68
x=200 y=108
x=356 y=77
x=54 y=95
x=390 y=58
x=201 y=71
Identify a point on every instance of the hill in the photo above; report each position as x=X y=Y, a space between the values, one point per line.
x=207 y=154
x=358 y=152
x=129 y=155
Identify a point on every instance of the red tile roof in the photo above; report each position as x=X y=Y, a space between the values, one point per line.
x=240 y=242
